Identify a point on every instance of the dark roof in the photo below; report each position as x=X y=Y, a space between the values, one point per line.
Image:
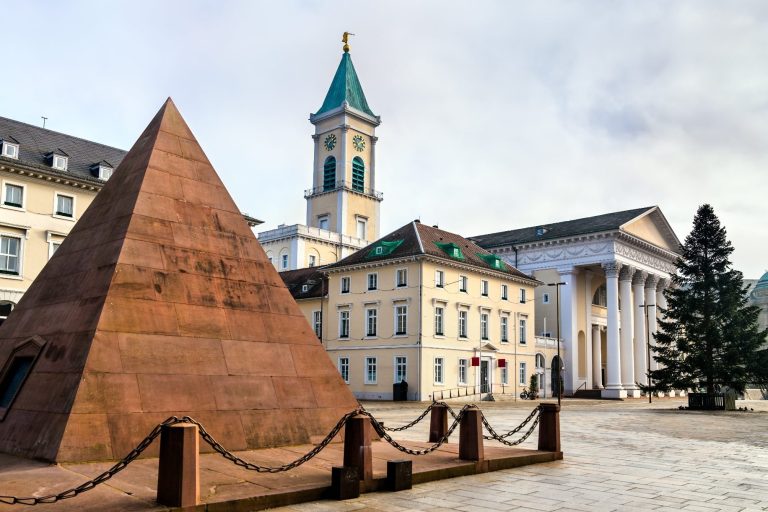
x=35 y=143
x=345 y=87
x=596 y=224
x=419 y=239
x=296 y=279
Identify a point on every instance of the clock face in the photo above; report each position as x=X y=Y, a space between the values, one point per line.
x=330 y=142
x=358 y=142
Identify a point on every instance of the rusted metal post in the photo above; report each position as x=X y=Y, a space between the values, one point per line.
x=178 y=475
x=357 y=446
x=438 y=423
x=549 y=428
x=471 y=435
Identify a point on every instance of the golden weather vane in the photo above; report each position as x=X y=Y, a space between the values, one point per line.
x=345 y=40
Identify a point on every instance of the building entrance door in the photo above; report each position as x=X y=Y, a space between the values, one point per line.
x=485 y=384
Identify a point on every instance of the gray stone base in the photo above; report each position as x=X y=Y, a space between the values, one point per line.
x=634 y=393
x=613 y=393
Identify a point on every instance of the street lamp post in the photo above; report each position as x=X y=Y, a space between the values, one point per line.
x=648 y=349
x=559 y=359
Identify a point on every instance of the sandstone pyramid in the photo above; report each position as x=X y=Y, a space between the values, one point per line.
x=161 y=302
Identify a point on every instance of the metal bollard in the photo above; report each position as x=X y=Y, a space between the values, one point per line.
x=471 y=435
x=178 y=475
x=357 y=446
x=549 y=428
x=399 y=475
x=438 y=423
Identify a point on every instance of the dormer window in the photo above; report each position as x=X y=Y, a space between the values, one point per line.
x=541 y=231
x=102 y=170
x=58 y=159
x=11 y=149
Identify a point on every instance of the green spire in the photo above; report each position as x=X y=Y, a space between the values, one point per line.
x=345 y=87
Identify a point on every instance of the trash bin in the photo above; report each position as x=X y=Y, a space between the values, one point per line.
x=400 y=391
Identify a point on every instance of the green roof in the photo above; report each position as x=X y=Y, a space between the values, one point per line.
x=763 y=282
x=345 y=87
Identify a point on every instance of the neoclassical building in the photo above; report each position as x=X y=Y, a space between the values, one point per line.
x=343 y=204
x=610 y=267
x=758 y=296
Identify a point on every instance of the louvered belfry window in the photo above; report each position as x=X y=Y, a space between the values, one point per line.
x=329 y=174
x=358 y=174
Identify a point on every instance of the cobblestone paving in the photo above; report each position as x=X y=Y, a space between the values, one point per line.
x=619 y=456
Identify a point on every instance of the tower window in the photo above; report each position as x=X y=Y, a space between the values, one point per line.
x=329 y=174
x=358 y=174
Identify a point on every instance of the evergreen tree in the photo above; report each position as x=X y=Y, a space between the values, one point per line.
x=709 y=335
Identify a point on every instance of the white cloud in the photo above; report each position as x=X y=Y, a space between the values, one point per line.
x=495 y=114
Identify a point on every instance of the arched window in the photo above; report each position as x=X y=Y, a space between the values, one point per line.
x=358 y=174
x=329 y=174
x=540 y=361
x=600 y=298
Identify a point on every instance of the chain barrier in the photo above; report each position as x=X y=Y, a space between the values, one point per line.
x=502 y=438
x=90 y=484
x=218 y=448
x=381 y=432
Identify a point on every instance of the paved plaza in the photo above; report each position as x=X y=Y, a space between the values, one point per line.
x=627 y=455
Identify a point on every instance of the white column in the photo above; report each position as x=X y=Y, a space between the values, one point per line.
x=597 y=358
x=641 y=356
x=627 y=351
x=587 y=330
x=613 y=387
x=567 y=333
x=650 y=298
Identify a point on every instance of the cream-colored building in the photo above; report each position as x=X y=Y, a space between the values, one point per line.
x=343 y=204
x=47 y=180
x=610 y=266
x=421 y=305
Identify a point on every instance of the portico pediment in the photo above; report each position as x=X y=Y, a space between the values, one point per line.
x=652 y=227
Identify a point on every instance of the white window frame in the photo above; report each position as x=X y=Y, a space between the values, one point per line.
x=463 y=334
x=105 y=172
x=438 y=370
x=504 y=292
x=61 y=160
x=484 y=321
x=504 y=328
x=20 y=257
x=284 y=261
x=439 y=279
x=311 y=260
x=404 y=282
x=523 y=373
x=51 y=244
x=484 y=287
x=439 y=320
x=6 y=153
x=343 y=367
x=23 y=187
x=317 y=323
x=398 y=315
x=323 y=219
x=361 y=221
x=463 y=371
x=344 y=320
x=463 y=284
x=56 y=196
x=504 y=376
x=345 y=280
x=396 y=365
x=523 y=324
x=368 y=361
x=522 y=296
x=372 y=278
x=368 y=317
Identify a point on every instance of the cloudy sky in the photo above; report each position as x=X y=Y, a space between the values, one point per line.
x=495 y=115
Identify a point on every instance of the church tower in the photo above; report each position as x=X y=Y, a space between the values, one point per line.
x=343 y=204
x=343 y=198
